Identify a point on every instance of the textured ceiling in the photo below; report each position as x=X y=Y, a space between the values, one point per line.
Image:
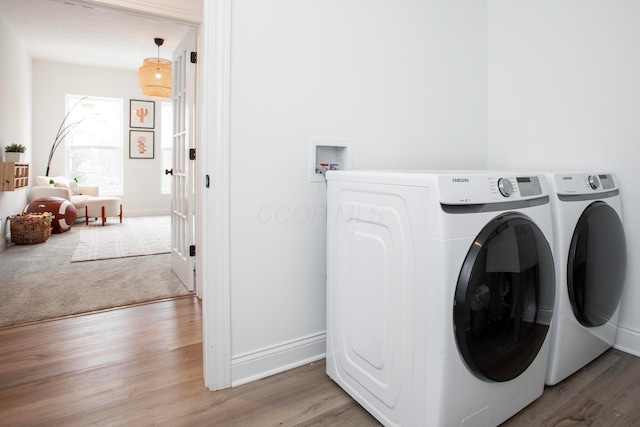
x=65 y=31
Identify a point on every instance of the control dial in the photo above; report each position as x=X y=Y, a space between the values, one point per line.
x=594 y=182
x=505 y=187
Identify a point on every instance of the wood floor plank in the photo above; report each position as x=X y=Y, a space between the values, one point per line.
x=585 y=412
x=348 y=415
x=618 y=383
x=142 y=366
x=556 y=398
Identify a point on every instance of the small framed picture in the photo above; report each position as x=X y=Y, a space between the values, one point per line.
x=141 y=144
x=142 y=114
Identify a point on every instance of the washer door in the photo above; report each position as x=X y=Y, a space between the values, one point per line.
x=596 y=266
x=504 y=298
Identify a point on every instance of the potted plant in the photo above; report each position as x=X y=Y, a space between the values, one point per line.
x=14 y=152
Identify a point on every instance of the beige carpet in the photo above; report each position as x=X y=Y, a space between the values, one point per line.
x=39 y=282
x=134 y=237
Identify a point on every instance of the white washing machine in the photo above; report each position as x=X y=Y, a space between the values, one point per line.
x=590 y=251
x=440 y=292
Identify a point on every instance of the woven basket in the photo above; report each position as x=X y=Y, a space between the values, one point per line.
x=30 y=228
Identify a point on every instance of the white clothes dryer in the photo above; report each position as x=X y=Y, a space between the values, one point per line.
x=440 y=292
x=590 y=248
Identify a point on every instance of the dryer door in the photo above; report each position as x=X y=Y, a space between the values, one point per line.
x=504 y=298
x=596 y=266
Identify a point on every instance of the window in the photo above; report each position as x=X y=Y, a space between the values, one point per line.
x=166 y=144
x=94 y=148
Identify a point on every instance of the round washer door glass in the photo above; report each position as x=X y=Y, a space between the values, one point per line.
x=504 y=298
x=596 y=266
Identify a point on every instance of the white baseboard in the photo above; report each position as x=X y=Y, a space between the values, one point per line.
x=273 y=360
x=628 y=340
x=4 y=242
x=144 y=212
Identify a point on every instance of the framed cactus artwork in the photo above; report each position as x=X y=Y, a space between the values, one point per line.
x=143 y=114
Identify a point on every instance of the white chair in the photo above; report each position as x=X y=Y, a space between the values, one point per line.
x=75 y=193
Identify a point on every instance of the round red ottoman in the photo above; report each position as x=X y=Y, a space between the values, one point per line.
x=64 y=213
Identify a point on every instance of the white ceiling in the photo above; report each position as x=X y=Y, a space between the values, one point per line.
x=82 y=33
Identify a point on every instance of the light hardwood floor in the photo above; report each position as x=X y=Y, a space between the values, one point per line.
x=142 y=366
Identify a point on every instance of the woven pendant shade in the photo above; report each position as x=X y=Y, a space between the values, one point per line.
x=154 y=78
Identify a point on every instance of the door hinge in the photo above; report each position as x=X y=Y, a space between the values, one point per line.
x=192 y=250
x=194 y=57
x=192 y=153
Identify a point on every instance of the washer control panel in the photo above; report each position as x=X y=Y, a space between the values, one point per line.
x=479 y=189
x=529 y=186
x=584 y=183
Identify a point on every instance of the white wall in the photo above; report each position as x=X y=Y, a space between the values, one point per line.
x=564 y=91
x=406 y=81
x=51 y=82
x=15 y=115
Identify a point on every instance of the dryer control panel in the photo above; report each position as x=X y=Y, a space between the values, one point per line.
x=584 y=183
x=481 y=189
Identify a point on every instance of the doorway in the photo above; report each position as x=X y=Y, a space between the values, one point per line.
x=36 y=9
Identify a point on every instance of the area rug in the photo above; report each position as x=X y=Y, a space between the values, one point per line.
x=38 y=282
x=136 y=236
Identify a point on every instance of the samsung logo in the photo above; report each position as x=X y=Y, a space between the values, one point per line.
x=460 y=179
x=567 y=178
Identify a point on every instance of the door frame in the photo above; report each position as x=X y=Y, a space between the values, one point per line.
x=213 y=241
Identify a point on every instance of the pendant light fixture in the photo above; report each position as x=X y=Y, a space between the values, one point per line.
x=155 y=75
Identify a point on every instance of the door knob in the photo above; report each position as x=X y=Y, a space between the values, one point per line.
x=168 y=171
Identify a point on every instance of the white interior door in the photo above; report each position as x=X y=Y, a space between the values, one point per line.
x=182 y=190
